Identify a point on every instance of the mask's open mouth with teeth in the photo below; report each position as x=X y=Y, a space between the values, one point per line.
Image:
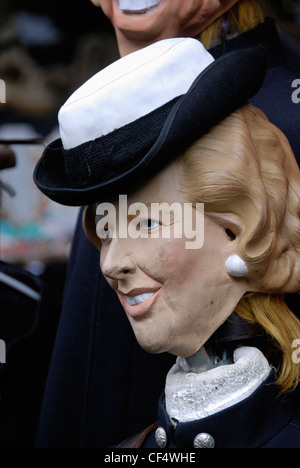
x=138 y=6
x=138 y=299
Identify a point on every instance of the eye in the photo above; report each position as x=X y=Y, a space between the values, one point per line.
x=149 y=224
x=104 y=233
x=230 y=234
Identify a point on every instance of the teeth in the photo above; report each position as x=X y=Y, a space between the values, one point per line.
x=137 y=5
x=138 y=299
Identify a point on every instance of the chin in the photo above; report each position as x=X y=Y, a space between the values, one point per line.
x=152 y=347
x=151 y=343
x=158 y=346
x=144 y=24
x=138 y=28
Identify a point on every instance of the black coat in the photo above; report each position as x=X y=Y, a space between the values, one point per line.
x=265 y=419
x=102 y=387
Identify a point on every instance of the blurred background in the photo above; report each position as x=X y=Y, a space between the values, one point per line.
x=47 y=50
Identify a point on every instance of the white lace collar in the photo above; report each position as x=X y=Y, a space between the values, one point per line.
x=191 y=396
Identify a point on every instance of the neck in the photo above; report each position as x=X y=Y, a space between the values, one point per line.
x=204 y=360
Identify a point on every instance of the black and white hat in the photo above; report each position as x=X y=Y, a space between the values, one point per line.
x=139 y=113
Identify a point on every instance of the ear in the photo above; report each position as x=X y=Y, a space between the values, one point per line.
x=236 y=267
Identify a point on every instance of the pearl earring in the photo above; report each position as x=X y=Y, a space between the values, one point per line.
x=235 y=266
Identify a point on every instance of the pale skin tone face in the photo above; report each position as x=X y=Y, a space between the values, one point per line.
x=170 y=18
x=190 y=292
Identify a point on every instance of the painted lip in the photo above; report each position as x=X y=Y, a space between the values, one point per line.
x=141 y=309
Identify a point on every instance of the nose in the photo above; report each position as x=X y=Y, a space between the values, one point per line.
x=116 y=263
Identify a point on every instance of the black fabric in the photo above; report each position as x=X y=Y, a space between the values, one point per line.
x=266 y=419
x=28 y=328
x=275 y=97
x=102 y=388
x=120 y=150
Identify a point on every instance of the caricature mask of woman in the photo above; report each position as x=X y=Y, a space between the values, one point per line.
x=245 y=174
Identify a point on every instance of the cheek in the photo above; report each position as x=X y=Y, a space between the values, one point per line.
x=191 y=277
x=112 y=283
x=179 y=270
x=171 y=259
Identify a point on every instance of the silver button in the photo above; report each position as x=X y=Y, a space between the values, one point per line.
x=204 y=440
x=161 y=437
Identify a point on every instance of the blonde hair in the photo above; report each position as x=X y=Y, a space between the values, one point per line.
x=244 y=169
x=282 y=326
x=244 y=15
